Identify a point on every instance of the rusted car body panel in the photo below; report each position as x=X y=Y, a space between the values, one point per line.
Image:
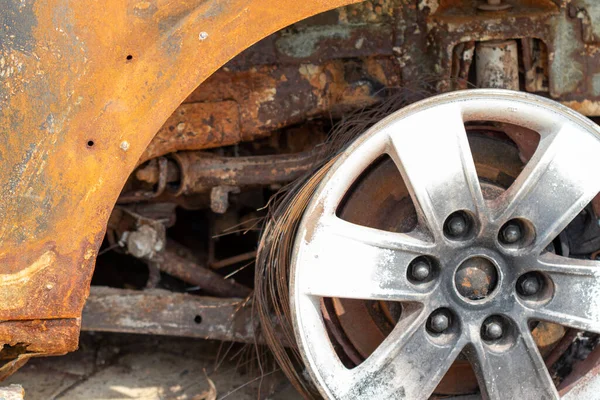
x=91 y=90
x=84 y=87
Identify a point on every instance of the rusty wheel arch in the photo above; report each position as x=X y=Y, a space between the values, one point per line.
x=84 y=87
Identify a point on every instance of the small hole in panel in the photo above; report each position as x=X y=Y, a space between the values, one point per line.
x=198 y=319
x=129 y=57
x=90 y=143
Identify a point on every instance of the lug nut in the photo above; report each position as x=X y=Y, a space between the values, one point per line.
x=511 y=233
x=493 y=330
x=529 y=285
x=420 y=270
x=439 y=321
x=456 y=225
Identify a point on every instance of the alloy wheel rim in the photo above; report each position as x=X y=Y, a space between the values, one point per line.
x=428 y=143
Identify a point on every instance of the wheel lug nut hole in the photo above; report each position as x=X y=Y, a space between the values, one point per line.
x=440 y=321
x=493 y=330
x=458 y=225
x=530 y=284
x=511 y=233
x=498 y=332
x=535 y=288
x=422 y=270
x=515 y=233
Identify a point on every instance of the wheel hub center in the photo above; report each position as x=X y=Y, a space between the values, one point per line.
x=476 y=278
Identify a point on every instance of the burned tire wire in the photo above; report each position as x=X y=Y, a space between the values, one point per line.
x=285 y=210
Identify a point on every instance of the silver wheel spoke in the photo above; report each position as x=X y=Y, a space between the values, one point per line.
x=490 y=278
x=353 y=261
x=576 y=294
x=557 y=183
x=433 y=155
x=407 y=365
x=518 y=372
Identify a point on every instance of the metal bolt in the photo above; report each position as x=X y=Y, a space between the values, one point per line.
x=439 y=322
x=457 y=225
x=420 y=270
x=494 y=5
x=493 y=330
x=511 y=233
x=529 y=285
x=144 y=242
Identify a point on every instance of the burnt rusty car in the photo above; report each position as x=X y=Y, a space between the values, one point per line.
x=398 y=197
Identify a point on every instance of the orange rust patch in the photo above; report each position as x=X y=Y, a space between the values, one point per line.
x=76 y=80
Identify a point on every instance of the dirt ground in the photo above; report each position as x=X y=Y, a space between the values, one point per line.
x=119 y=366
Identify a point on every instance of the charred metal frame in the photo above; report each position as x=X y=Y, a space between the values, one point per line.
x=81 y=102
x=161 y=312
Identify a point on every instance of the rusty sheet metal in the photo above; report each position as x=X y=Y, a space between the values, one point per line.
x=197 y=126
x=547 y=336
x=80 y=99
x=60 y=334
x=160 y=312
x=559 y=46
x=23 y=340
x=232 y=106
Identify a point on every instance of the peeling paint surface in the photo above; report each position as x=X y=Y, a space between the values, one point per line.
x=73 y=90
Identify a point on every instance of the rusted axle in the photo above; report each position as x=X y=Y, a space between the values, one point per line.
x=195 y=274
x=197 y=172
